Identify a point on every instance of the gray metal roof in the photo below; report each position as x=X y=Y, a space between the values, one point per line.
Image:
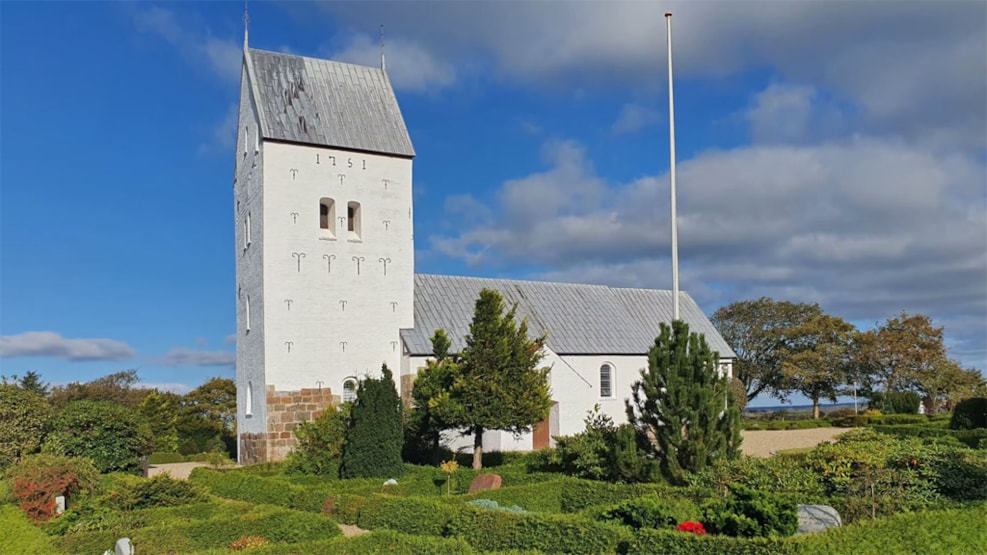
x=327 y=103
x=579 y=318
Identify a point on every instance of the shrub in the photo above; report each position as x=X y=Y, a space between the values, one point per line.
x=248 y=542
x=604 y=451
x=374 y=434
x=969 y=414
x=165 y=458
x=492 y=505
x=780 y=474
x=344 y=507
x=896 y=402
x=750 y=513
x=189 y=447
x=112 y=435
x=160 y=491
x=38 y=479
x=320 y=444
x=497 y=530
x=650 y=542
x=652 y=512
x=24 y=420
x=19 y=535
x=411 y=515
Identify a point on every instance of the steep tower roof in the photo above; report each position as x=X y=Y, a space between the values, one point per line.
x=326 y=103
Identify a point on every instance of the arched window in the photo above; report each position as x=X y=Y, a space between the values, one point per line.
x=349 y=390
x=353 y=219
x=327 y=215
x=249 y=409
x=606 y=380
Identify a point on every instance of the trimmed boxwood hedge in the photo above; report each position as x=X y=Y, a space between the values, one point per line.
x=971 y=438
x=650 y=542
x=257 y=489
x=498 y=530
x=411 y=515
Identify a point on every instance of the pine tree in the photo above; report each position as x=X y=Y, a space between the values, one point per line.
x=374 y=436
x=498 y=385
x=681 y=406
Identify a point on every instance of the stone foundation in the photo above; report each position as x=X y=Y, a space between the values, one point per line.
x=285 y=410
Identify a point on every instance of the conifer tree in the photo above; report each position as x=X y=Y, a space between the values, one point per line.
x=374 y=436
x=498 y=385
x=681 y=407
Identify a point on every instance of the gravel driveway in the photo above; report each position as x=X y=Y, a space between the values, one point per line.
x=760 y=443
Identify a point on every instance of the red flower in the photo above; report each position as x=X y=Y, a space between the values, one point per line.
x=691 y=527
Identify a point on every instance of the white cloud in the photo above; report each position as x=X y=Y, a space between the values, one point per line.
x=193 y=40
x=223 y=133
x=183 y=356
x=917 y=68
x=634 y=117
x=173 y=387
x=867 y=227
x=51 y=344
x=410 y=66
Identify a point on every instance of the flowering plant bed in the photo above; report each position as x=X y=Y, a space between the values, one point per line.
x=691 y=527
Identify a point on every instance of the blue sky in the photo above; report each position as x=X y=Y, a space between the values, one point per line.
x=825 y=155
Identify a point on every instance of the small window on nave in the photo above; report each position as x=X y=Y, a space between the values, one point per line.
x=349 y=390
x=327 y=215
x=353 y=219
x=606 y=381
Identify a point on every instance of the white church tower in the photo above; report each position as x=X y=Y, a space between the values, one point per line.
x=324 y=240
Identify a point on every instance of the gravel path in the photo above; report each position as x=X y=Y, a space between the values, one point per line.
x=760 y=443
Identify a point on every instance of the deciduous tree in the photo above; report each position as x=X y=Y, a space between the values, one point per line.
x=759 y=332
x=25 y=417
x=498 y=384
x=901 y=349
x=817 y=361
x=682 y=406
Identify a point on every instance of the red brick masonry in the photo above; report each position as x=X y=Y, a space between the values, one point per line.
x=285 y=410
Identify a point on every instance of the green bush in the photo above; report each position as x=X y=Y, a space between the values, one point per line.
x=189 y=447
x=498 y=530
x=411 y=515
x=381 y=542
x=38 y=479
x=577 y=495
x=603 y=451
x=256 y=489
x=491 y=505
x=159 y=491
x=651 y=542
x=375 y=434
x=652 y=512
x=780 y=474
x=24 y=419
x=114 y=436
x=344 y=507
x=750 y=513
x=958 y=531
x=896 y=402
x=320 y=444
x=19 y=536
x=165 y=458
x=753 y=425
x=970 y=414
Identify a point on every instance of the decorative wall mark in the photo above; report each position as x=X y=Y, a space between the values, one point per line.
x=329 y=258
x=288 y=302
x=385 y=262
x=409 y=213
x=316 y=157
x=342 y=305
x=358 y=260
x=394 y=346
x=319 y=383
x=343 y=345
x=387 y=224
x=294 y=173
x=364 y=164
x=386 y=182
x=299 y=256
x=289 y=344
x=341 y=177
x=342 y=221
x=394 y=306
x=294 y=217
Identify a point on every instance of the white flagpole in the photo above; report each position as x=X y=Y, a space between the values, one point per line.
x=671 y=145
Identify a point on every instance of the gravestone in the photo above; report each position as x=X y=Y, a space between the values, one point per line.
x=59 y=505
x=485 y=482
x=123 y=547
x=817 y=518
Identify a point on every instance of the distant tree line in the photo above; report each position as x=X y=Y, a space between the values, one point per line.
x=784 y=348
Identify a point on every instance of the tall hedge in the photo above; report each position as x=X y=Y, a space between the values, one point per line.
x=969 y=414
x=375 y=435
x=113 y=435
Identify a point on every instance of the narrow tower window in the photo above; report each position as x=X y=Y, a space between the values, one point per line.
x=606 y=381
x=249 y=409
x=327 y=215
x=353 y=219
x=349 y=390
x=246 y=310
x=246 y=231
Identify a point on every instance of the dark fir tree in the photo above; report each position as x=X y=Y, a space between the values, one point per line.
x=374 y=435
x=32 y=382
x=684 y=403
x=498 y=385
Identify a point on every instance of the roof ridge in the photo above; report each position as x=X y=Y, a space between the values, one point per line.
x=615 y=287
x=303 y=57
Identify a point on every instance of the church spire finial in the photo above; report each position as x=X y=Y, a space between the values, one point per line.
x=246 y=24
x=383 y=67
